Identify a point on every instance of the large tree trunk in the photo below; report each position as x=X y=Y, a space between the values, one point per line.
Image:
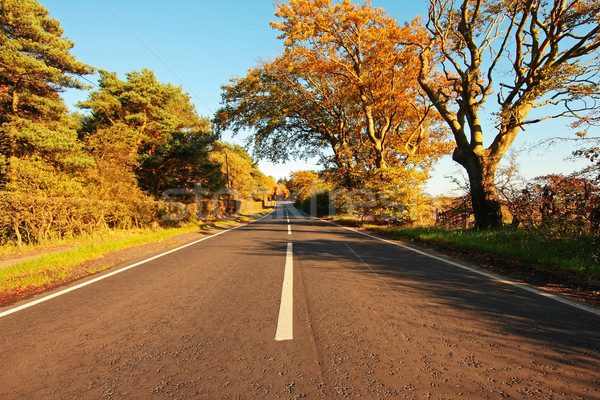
x=379 y=157
x=484 y=197
x=345 y=164
x=377 y=136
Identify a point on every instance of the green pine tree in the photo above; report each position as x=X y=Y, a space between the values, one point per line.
x=146 y=129
x=39 y=149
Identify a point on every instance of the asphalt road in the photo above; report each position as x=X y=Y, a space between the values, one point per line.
x=304 y=309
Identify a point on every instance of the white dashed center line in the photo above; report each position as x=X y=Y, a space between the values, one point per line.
x=285 y=330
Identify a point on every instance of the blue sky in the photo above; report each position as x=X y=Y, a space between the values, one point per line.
x=201 y=44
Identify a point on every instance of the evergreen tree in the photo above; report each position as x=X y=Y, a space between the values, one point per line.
x=39 y=149
x=143 y=127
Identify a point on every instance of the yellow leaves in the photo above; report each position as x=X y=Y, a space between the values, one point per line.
x=303 y=183
x=347 y=80
x=364 y=53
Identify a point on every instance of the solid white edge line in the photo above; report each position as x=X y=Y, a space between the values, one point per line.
x=490 y=275
x=86 y=283
x=285 y=322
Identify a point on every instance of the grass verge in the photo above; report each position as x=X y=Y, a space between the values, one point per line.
x=578 y=254
x=34 y=275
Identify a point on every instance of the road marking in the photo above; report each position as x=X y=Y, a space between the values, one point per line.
x=490 y=275
x=289 y=229
x=79 y=286
x=285 y=323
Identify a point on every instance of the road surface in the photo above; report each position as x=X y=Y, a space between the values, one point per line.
x=292 y=307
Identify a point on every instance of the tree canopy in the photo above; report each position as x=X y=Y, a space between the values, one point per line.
x=236 y=171
x=345 y=88
x=147 y=127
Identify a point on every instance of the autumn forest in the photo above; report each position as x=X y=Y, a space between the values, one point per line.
x=378 y=101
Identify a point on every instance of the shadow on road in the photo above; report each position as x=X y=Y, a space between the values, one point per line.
x=511 y=309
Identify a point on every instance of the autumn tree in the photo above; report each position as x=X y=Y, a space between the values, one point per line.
x=372 y=57
x=302 y=184
x=235 y=170
x=38 y=139
x=530 y=54
x=266 y=186
x=293 y=114
x=343 y=86
x=282 y=190
x=143 y=128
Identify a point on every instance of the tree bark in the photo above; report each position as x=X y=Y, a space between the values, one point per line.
x=484 y=198
x=379 y=157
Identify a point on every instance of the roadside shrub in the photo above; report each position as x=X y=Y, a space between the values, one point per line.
x=561 y=206
x=36 y=219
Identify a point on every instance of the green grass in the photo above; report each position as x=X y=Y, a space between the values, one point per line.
x=577 y=253
x=61 y=265
x=31 y=249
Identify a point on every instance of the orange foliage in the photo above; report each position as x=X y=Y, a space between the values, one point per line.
x=371 y=59
x=345 y=89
